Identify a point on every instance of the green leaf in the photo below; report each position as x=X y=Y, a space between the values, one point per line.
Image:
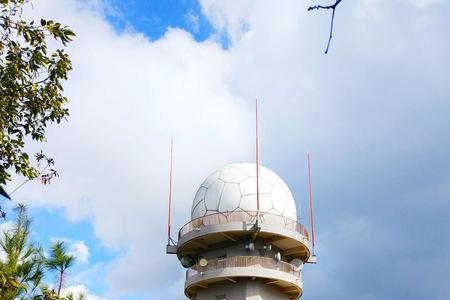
x=31 y=82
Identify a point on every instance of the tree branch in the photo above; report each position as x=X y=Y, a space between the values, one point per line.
x=333 y=8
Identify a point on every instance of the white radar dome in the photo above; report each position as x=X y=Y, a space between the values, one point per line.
x=233 y=188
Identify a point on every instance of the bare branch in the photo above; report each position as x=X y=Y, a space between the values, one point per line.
x=333 y=8
x=45 y=178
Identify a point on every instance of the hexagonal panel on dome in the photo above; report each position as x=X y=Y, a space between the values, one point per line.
x=233 y=175
x=248 y=186
x=211 y=179
x=279 y=196
x=199 y=196
x=290 y=209
x=248 y=203
x=199 y=210
x=213 y=194
x=265 y=202
x=270 y=176
x=248 y=168
x=231 y=197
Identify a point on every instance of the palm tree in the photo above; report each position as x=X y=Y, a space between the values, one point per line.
x=59 y=261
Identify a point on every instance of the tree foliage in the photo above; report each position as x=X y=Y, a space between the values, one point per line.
x=23 y=266
x=22 y=269
x=31 y=88
x=59 y=261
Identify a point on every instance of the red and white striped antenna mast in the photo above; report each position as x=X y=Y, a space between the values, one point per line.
x=169 y=217
x=311 y=209
x=257 y=161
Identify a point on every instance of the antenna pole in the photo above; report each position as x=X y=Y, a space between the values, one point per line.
x=257 y=162
x=169 y=218
x=311 y=204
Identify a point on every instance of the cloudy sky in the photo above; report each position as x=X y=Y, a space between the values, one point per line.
x=374 y=114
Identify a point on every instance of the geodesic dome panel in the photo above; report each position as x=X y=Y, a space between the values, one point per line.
x=233 y=188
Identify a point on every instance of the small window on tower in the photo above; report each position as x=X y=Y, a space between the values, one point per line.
x=221 y=261
x=221 y=297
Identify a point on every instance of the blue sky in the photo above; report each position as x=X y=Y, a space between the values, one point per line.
x=373 y=113
x=51 y=224
x=153 y=17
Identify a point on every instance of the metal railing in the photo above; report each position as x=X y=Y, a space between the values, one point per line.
x=244 y=261
x=243 y=216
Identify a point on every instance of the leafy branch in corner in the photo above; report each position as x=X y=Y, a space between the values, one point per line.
x=44 y=174
x=31 y=85
x=333 y=8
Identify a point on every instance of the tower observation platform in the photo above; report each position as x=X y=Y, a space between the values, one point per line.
x=243 y=240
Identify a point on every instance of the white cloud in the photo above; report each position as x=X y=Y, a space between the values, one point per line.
x=80 y=251
x=192 y=21
x=78 y=290
x=365 y=102
x=229 y=18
